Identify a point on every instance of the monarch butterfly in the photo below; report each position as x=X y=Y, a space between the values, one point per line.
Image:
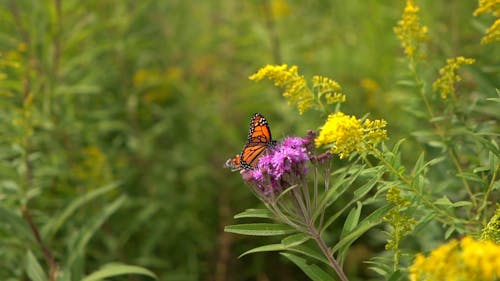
x=259 y=140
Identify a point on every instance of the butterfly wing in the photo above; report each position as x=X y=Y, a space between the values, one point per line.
x=259 y=132
x=258 y=141
x=233 y=163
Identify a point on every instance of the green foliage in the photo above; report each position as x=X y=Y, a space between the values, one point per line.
x=116 y=118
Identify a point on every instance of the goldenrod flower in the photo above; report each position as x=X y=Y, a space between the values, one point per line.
x=491 y=231
x=328 y=88
x=288 y=78
x=486 y=6
x=448 y=76
x=468 y=259
x=345 y=134
x=410 y=31
x=490 y=6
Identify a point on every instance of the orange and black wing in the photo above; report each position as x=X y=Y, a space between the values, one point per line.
x=259 y=132
x=258 y=141
x=233 y=163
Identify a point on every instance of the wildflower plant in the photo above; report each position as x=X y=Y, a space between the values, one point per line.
x=295 y=179
x=450 y=193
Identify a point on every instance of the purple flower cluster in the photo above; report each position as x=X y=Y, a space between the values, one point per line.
x=282 y=167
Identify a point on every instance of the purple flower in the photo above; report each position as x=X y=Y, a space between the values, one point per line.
x=282 y=167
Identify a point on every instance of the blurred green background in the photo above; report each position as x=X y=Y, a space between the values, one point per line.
x=154 y=96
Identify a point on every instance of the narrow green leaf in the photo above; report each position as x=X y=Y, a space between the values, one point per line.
x=417 y=168
x=462 y=204
x=309 y=252
x=480 y=169
x=16 y=223
x=351 y=220
x=284 y=192
x=449 y=232
x=295 y=240
x=444 y=201
x=265 y=248
x=367 y=223
x=116 y=269
x=311 y=270
x=365 y=188
x=260 y=229
x=335 y=191
x=91 y=228
x=255 y=213
x=408 y=83
x=358 y=194
x=395 y=276
x=55 y=224
x=470 y=176
x=33 y=268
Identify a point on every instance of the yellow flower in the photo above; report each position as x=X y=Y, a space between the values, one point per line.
x=486 y=6
x=410 y=31
x=491 y=231
x=280 y=8
x=468 y=259
x=490 y=6
x=345 y=134
x=448 y=76
x=294 y=85
x=329 y=88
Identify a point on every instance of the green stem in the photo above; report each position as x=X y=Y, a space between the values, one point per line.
x=326 y=251
x=439 y=130
x=449 y=219
x=488 y=192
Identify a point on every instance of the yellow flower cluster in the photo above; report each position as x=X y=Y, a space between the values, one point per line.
x=490 y=6
x=345 y=134
x=410 y=31
x=329 y=88
x=468 y=259
x=491 y=231
x=288 y=78
x=400 y=222
x=448 y=76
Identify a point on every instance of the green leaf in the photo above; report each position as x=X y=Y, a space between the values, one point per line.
x=395 y=276
x=116 y=269
x=449 y=232
x=365 y=188
x=311 y=270
x=295 y=240
x=335 y=191
x=372 y=220
x=470 y=176
x=462 y=204
x=265 y=248
x=352 y=219
x=88 y=231
x=260 y=229
x=408 y=83
x=55 y=224
x=443 y=201
x=33 y=268
x=350 y=223
x=284 y=192
x=255 y=213
x=358 y=194
x=17 y=224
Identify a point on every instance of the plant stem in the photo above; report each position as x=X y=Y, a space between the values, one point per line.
x=490 y=188
x=53 y=266
x=439 y=130
x=326 y=251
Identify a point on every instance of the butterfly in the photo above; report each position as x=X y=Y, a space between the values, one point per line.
x=259 y=141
